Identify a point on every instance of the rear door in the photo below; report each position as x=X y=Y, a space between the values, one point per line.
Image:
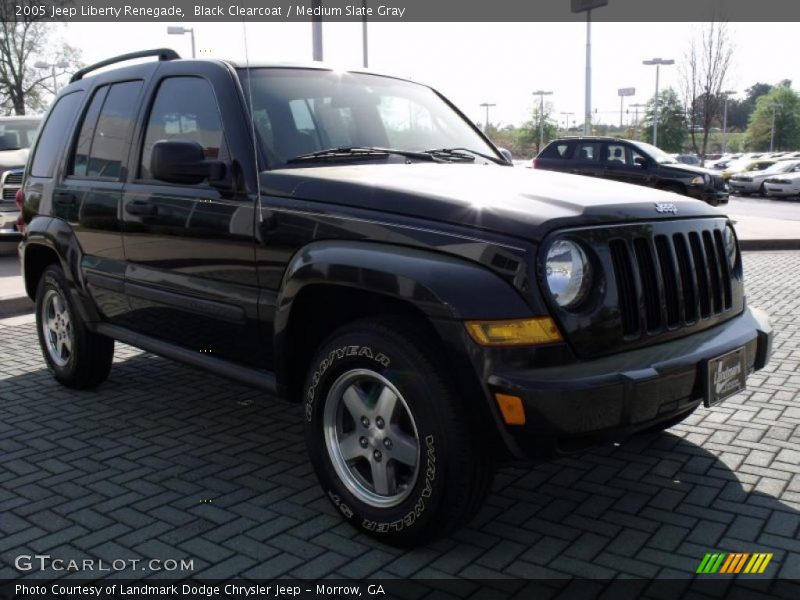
x=89 y=195
x=190 y=249
x=587 y=159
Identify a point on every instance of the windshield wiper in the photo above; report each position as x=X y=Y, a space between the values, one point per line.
x=359 y=152
x=460 y=154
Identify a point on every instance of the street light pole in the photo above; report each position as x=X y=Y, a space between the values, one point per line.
x=176 y=30
x=567 y=114
x=487 y=106
x=316 y=31
x=587 y=109
x=636 y=108
x=774 y=107
x=364 y=44
x=62 y=64
x=657 y=62
x=725 y=95
x=541 y=95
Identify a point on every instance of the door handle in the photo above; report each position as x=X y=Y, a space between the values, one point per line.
x=64 y=199
x=141 y=208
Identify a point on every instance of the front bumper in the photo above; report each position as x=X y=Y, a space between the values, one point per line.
x=782 y=192
x=711 y=196
x=8 y=226
x=610 y=398
x=744 y=187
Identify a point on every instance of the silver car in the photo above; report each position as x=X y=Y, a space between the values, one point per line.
x=753 y=182
x=16 y=136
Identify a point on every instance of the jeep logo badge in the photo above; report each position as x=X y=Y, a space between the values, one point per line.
x=666 y=207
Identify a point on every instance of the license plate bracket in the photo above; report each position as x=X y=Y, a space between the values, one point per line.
x=726 y=375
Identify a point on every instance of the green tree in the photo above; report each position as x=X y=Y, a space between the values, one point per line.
x=787 y=119
x=528 y=132
x=23 y=41
x=672 y=128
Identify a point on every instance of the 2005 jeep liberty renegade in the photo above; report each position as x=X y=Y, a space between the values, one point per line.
x=352 y=242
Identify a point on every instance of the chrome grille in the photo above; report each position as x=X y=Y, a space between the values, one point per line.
x=665 y=282
x=10 y=182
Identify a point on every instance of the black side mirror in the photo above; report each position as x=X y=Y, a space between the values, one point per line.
x=506 y=154
x=640 y=162
x=183 y=161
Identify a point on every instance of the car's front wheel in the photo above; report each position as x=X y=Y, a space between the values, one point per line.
x=77 y=357
x=389 y=436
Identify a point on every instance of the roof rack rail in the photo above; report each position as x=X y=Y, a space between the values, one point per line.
x=161 y=53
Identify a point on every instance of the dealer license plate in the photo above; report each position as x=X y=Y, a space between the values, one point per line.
x=726 y=376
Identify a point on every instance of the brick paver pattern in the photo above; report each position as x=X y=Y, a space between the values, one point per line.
x=164 y=461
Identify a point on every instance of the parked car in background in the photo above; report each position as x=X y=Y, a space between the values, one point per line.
x=16 y=136
x=631 y=162
x=783 y=186
x=745 y=165
x=688 y=159
x=752 y=182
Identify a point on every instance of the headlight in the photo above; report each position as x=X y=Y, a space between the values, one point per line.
x=698 y=180
x=729 y=238
x=569 y=273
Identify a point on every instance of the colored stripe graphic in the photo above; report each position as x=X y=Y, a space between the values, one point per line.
x=734 y=563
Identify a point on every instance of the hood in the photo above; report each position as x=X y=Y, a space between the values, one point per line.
x=13 y=158
x=525 y=203
x=692 y=169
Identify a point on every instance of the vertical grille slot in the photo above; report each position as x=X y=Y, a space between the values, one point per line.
x=701 y=269
x=647 y=276
x=725 y=268
x=714 y=270
x=626 y=287
x=687 y=280
x=670 y=276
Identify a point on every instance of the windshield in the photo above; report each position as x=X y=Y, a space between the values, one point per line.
x=300 y=111
x=657 y=154
x=16 y=134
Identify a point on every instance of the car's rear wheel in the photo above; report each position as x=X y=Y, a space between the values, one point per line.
x=77 y=357
x=388 y=434
x=762 y=190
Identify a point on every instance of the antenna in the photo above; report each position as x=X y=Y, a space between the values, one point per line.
x=252 y=121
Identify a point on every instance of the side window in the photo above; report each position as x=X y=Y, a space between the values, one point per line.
x=589 y=152
x=83 y=145
x=57 y=126
x=184 y=109
x=616 y=154
x=561 y=150
x=104 y=138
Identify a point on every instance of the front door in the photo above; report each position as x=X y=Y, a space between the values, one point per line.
x=191 y=277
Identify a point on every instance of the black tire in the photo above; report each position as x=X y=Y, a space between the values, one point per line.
x=87 y=361
x=762 y=191
x=453 y=472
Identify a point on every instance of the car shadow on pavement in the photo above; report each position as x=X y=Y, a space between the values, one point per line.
x=166 y=462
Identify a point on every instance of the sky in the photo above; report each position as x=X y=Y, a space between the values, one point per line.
x=471 y=63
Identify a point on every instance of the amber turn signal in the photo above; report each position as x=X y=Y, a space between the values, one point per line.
x=511 y=408
x=517 y=332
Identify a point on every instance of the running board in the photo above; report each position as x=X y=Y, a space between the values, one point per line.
x=252 y=377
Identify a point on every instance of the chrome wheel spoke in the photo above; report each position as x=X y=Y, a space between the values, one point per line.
x=351 y=447
x=404 y=448
x=51 y=325
x=380 y=478
x=384 y=407
x=356 y=402
x=66 y=344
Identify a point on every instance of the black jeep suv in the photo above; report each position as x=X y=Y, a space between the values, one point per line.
x=353 y=243
x=632 y=162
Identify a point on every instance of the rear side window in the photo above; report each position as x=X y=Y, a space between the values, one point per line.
x=80 y=160
x=589 y=151
x=185 y=108
x=561 y=150
x=110 y=135
x=57 y=126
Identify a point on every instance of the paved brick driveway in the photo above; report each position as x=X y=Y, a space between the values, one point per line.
x=165 y=462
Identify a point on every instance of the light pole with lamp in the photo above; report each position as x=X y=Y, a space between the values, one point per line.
x=725 y=95
x=587 y=6
x=774 y=107
x=541 y=95
x=487 y=106
x=176 y=30
x=62 y=64
x=567 y=115
x=657 y=62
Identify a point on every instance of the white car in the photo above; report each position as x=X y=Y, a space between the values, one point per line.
x=752 y=182
x=782 y=186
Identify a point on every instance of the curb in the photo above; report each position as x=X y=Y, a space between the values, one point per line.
x=748 y=245
x=17 y=305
